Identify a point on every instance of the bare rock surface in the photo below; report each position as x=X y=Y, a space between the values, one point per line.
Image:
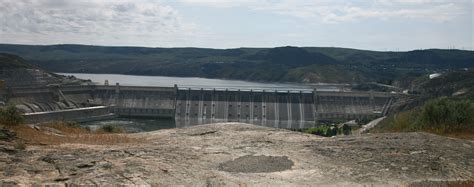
x=235 y=154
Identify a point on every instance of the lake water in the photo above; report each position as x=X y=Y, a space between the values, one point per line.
x=140 y=125
x=195 y=82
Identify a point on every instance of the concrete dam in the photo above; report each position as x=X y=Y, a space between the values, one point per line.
x=274 y=108
x=277 y=108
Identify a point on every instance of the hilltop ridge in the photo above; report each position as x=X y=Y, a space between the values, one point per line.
x=280 y=64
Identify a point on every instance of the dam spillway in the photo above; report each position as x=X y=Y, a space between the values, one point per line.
x=284 y=109
x=293 y=109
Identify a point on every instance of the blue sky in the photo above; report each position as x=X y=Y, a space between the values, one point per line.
x=364 y=24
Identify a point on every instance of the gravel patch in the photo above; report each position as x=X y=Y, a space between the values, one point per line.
x=257 y=164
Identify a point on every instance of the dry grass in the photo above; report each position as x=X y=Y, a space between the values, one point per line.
x=66 y=128
x=461 y=135
x=467 y=183
x=67 y=134
x=406 y=122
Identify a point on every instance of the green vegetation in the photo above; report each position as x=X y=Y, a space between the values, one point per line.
x=440 y=116
x=448 y=115
x=292 y=64
x=329 y=130
x=443 y=105
x=10 y=116
x=111 y=129
x=3 y=134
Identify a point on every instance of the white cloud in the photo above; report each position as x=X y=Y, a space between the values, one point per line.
x=227 y=23
x=341 y=11
x=108 y=18
x=221 y=3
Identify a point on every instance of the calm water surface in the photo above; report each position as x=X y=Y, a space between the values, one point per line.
x=195 y=82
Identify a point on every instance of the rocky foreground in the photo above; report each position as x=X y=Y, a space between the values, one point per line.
x=235 y=154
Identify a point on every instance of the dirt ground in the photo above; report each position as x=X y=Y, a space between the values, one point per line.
x=235 y=154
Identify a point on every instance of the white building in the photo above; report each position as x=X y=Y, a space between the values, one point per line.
x=434 y=75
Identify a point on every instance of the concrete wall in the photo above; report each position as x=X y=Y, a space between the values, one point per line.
x=39 y=99
x=137 y=101
x=78 y=115
x=352 y=105
x=78 y=94
x=122 y=100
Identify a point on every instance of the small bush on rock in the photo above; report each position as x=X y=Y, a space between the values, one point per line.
x=328 y=130
x=111 y=129
x=10 y=116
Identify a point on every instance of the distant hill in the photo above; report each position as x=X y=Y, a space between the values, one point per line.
x=289 y=64
x=16 y=72
x=9 y=61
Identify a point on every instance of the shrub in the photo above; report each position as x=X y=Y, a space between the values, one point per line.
x=448 y=115
x=6 y=134
x=346 y=129
x=111 y=129
x=324 y=130
x=406 y=121
x=10 y=116
x=438 y=116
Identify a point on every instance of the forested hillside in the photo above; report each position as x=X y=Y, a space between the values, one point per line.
x=289 y=64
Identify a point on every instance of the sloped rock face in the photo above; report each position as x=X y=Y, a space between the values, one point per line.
x=15 y=72
x=234 y=154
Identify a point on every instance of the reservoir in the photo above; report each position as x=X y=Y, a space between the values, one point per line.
x=196 y=82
